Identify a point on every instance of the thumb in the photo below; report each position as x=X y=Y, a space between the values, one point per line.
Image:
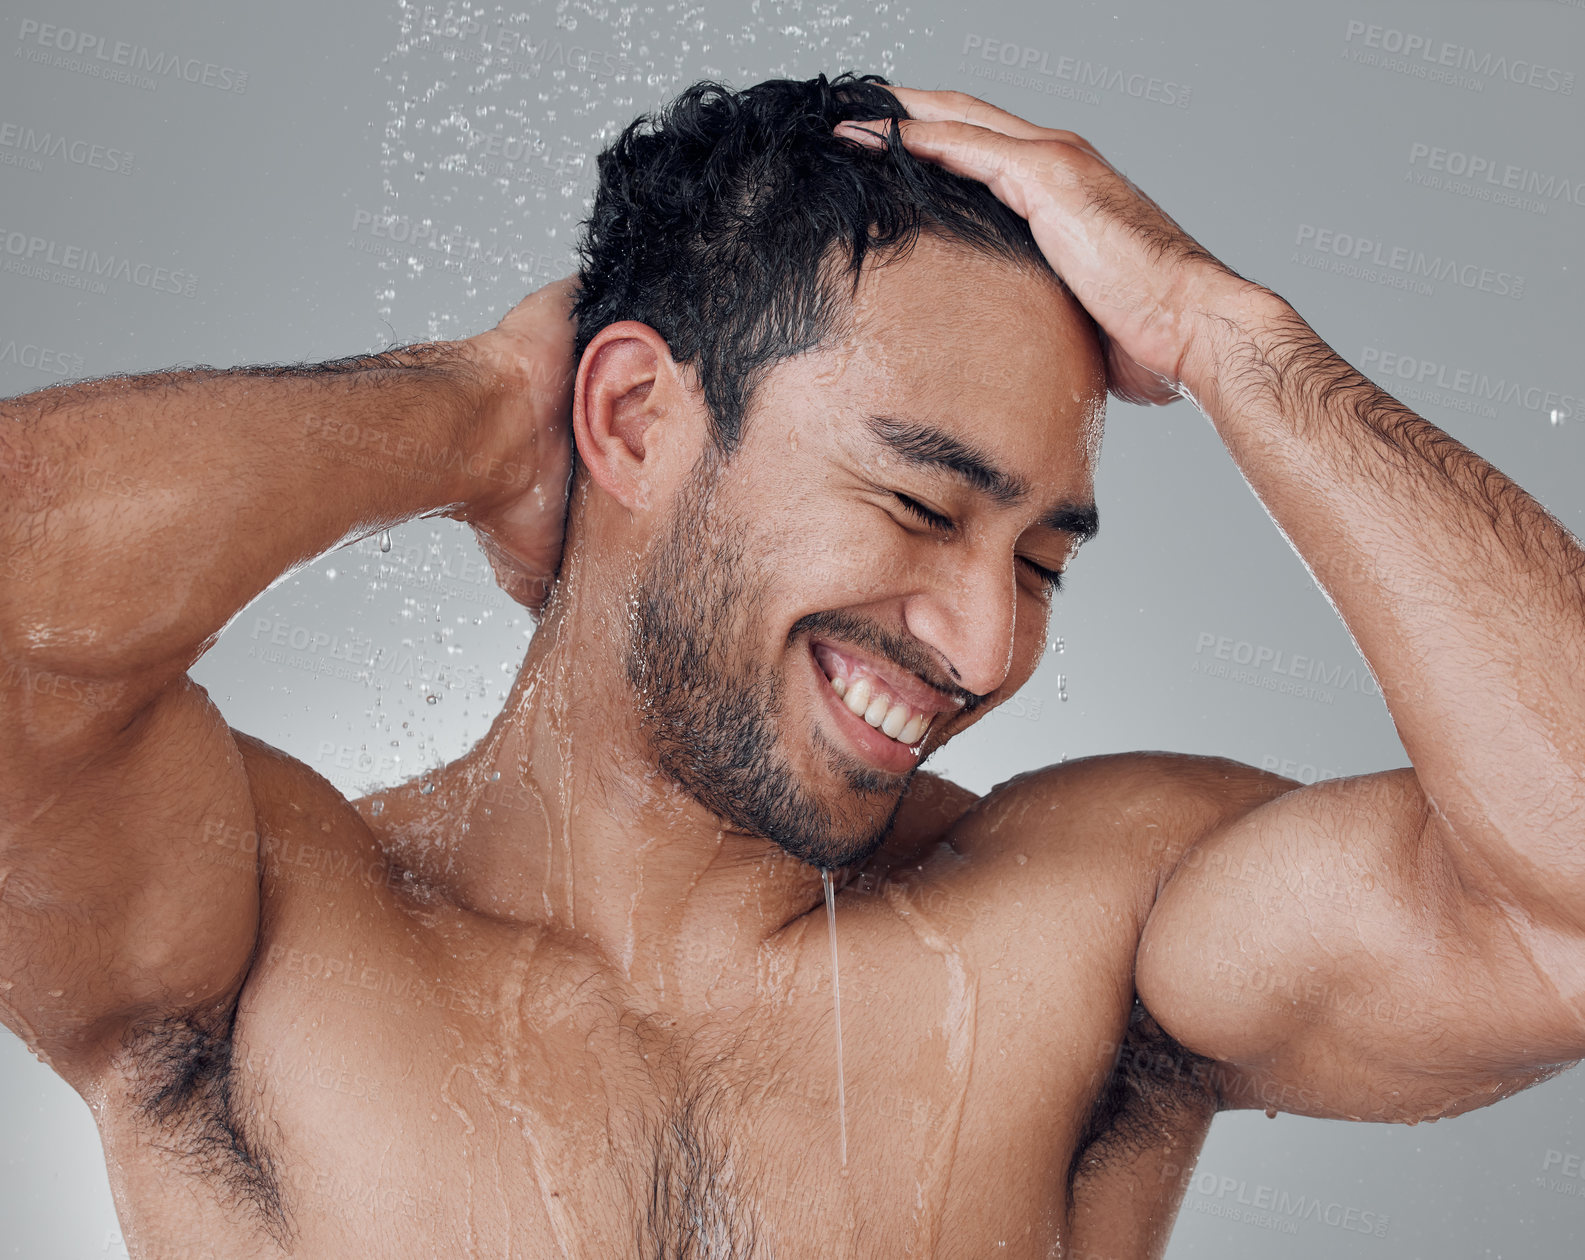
x=1132 y=382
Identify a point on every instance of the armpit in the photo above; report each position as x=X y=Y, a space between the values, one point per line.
x=185 y=1090
x=1157 y=1090
x=1136 y=1154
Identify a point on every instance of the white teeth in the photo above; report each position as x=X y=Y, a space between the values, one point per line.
x=897 y=721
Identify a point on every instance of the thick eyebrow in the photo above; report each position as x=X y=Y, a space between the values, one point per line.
x=926 y=446
x=1079 y=519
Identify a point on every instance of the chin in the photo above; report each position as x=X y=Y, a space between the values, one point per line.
x=852 y=826
x=831 y=855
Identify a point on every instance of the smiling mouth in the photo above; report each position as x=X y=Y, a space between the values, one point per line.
x=870 y=697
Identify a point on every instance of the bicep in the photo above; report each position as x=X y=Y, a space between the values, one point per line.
x=128 y=883
x=1338 y=955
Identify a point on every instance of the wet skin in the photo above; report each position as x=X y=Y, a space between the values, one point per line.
x=472 y=1017
x=570 y=995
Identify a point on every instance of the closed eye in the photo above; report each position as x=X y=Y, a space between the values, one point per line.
x=1050 y=578
x=933 y=519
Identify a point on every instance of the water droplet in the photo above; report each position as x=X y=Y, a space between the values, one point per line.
x=495 y=776
x=431 y=698
x=1271 y=1113
x=385 y=540
x=1057 y=645
x=426 y=789
x=331 y=574
x=376 y=808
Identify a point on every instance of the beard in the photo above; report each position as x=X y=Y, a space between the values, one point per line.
x=711 y=714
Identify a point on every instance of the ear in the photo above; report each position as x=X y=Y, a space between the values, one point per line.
x=629 y=411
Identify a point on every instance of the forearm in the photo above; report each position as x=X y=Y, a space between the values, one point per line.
x=138 y=515
x=1461 y=591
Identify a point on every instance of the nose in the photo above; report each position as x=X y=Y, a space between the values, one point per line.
x=968 y=614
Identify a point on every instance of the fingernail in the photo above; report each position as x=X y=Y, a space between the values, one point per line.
x=863 y=135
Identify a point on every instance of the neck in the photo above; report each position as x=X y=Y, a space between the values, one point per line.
x=562 y=820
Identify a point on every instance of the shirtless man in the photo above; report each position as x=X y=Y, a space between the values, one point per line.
x=571 y=995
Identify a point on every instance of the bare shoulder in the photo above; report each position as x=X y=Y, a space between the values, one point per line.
x=1132 y=815
x=1075 y=851
x=313 y=846
x=930 y=808
x=1043 y=887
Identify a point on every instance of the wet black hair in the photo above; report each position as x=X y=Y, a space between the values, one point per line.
x=726 y=220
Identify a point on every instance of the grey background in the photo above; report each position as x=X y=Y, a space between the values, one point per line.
x=268 y=198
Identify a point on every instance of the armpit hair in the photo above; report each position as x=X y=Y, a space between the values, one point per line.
x=1154 y=1083
x=185 y=1089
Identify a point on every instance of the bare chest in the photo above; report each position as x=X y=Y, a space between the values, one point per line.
x=519 y=1101
x=547 y=1113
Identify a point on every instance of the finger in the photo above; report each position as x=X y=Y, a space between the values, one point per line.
x=1007 y=166
x=952 y=106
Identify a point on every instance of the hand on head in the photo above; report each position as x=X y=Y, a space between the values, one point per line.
x=1148 y=284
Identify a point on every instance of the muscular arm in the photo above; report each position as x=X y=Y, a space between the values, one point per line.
x=1404 y=944
x=137 y=517
x=144 y=512
x=1409 y=943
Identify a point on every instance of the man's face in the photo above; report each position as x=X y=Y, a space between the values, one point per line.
x=802 y=639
